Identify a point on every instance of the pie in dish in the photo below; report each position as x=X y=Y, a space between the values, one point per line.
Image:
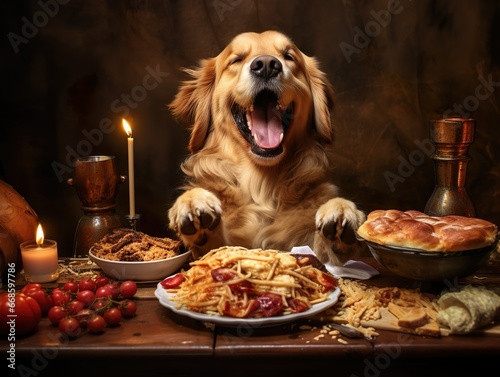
x=416 y=230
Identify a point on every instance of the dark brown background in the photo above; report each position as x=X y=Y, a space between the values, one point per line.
x=85 y=55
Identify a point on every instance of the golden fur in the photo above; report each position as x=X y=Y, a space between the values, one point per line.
x=257 y=191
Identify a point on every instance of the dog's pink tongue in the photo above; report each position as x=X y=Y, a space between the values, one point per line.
x=265 y=123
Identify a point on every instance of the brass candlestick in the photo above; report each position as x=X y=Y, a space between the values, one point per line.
x=452 y=138
x=133 y=221
x=96 y=182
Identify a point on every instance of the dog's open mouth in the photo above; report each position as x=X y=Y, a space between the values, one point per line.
x=263 y=125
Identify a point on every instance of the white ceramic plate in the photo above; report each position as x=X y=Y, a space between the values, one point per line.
x=153 y=270
x=165 y=300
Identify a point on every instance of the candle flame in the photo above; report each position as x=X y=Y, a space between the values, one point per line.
x=127 y=128
x=39 y=235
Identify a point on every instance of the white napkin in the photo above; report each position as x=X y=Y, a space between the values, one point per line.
x=351 y=269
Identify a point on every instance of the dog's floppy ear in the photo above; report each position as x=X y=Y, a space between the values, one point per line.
x=322 y=93
x=192 y=104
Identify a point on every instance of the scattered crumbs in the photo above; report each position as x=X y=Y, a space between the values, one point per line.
x=318 y=337
x=187 y=342
x=340 y=340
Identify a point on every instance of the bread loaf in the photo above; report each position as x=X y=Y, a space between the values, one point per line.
x=416 y=230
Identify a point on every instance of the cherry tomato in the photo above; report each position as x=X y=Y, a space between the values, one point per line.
x=128 y=308
x=115 y=289
x=74 y=306
x=101 y=281
x=96 y=324
x=60 y=297
x=70 y=326
x=112 y=316
x=86 y=297
x=128 y=288
x=83 y=316
x=100 y=303
x=104 y=292
x=173 y=281
x=56 y=313
x=87 y=284
x=71 y=286
x=40 y=294
x=26 y=310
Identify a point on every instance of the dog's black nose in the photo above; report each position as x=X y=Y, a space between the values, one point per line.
x=266 y=66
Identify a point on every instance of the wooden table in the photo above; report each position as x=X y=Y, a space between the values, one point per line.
x=159 y=342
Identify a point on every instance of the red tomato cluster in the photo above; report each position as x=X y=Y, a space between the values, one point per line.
x=89 y=305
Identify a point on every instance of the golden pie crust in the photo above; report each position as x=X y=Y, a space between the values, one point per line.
x=416 y=230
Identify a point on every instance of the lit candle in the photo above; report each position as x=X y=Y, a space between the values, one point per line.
x=131 y=184
x=40 y=260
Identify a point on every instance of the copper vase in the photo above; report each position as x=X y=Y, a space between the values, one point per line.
x=452 y=138
x=96 y=181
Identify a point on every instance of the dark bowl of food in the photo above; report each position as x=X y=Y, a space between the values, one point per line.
x=418 y=246
x=429 y=265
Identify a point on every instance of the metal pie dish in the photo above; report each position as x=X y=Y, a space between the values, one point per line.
x=153 y=270
x=429 y=265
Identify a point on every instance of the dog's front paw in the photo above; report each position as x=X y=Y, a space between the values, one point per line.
x=195 y=213
x=337 y=221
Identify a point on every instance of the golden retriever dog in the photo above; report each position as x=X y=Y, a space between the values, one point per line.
x=257 y=174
